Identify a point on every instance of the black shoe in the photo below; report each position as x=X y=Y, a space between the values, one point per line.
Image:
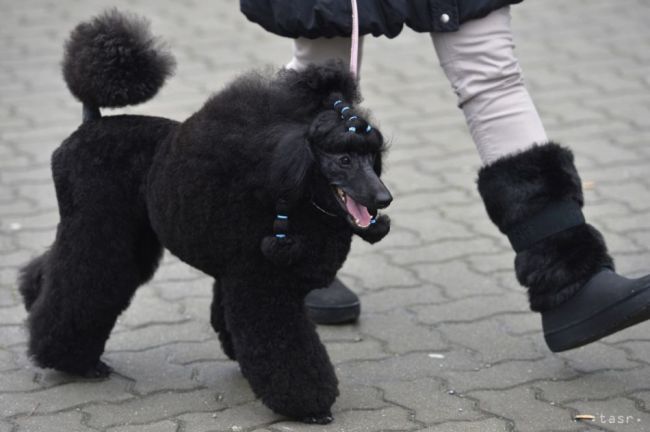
x=607 y=304
x=335 y=304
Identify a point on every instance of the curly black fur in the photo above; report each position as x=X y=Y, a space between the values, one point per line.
x=377 y=231
x=209 y=190
x=30 y=279
x=517 y=187
x=114 y=61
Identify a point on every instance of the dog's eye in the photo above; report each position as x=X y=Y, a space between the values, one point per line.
x=345 y=160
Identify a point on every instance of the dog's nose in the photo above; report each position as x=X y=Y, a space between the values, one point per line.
x=383 y=199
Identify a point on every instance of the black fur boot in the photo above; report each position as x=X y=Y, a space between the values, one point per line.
x=535 y=198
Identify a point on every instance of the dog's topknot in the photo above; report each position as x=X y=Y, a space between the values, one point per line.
x=113 y=61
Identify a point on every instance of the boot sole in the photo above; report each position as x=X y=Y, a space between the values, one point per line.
x=334 y=315
x=602 y=323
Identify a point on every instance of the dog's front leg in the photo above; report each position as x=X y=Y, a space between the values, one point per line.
x=278 y=349
x=218 y=321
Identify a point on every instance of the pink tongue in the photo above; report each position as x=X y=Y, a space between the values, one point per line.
x=357 y=211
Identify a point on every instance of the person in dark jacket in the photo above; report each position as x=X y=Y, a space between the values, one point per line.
x=529 y=185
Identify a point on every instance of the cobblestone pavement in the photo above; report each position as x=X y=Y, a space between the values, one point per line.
x=445 y=342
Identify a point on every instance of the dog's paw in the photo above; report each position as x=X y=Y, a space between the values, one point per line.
x=100 y=370
x=319 y=419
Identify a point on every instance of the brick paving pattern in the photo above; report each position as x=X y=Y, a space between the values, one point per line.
x=446 y=341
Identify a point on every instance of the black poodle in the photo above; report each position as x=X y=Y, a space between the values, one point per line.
x=262 y=189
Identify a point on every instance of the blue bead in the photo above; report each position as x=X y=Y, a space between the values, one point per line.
x=280 y=235
x=337 y=102
x=344 y=109
x=352 y=129
x=281 y=216
x=373 y=220
x=368 y=128
x=352 y=118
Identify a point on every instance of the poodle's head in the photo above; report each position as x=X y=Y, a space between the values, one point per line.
x=347 y=153
x=328 y=154
x=335 y=161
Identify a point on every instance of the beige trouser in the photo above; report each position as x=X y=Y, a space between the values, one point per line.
x=480 y=64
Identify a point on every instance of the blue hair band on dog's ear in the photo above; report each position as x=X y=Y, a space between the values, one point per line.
x=368 y=128
x=344 y=109
x=281 y=216
x=337 y=102
x=352 y=118
x=352 y=129
x=280 y=235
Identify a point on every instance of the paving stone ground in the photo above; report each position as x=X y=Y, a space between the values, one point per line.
x=445 y=341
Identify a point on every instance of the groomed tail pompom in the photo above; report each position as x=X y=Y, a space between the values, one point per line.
x=282 y=251
x=113 y=61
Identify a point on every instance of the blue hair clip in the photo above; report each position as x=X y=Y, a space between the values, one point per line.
x=337 y=102
x=352 y=129
x=368 y=128
x=281 y=216
x=280 y=235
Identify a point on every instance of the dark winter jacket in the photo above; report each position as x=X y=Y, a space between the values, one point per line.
x=329 y=18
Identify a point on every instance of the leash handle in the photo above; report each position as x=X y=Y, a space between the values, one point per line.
x=354 y=49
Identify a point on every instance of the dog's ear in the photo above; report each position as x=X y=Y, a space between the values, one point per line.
x=291 y=163
x=376 y=231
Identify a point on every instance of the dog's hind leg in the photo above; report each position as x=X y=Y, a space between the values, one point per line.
x=31 y=279
x=93 y=269
x=278 y=349
x=218 y=321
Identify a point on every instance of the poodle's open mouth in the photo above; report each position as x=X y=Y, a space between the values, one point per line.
x=358 y=214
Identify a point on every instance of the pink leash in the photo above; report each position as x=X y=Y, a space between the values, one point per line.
x=354 y=49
